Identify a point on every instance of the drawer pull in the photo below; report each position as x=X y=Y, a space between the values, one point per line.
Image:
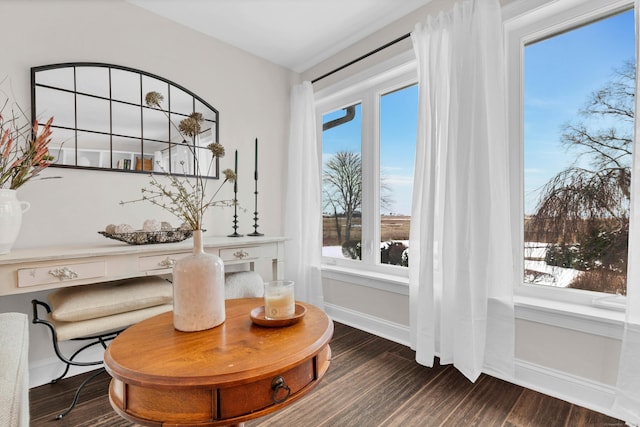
x=240 y=254
x=63 y=273
x=167 y=262
x=276 y=385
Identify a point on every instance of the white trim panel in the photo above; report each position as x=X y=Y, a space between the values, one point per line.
x=374 y=325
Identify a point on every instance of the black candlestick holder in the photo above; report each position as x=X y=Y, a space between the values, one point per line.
x=235 y=213
x=255 y=212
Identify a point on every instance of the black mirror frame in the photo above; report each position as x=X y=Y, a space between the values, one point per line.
x=74 y=65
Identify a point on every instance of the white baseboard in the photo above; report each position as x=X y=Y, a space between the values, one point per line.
x=43 y=371
x=573 y=389
x=577 y=390
x=374 y=325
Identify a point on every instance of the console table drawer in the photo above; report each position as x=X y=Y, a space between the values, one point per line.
x=60 y=273
x=248 y=398
x=159 y=262
x=248 y=253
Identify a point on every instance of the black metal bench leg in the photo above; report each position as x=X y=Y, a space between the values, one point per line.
x=66 y=370
x=100 y=339
x=69 y=362
x=77 y=395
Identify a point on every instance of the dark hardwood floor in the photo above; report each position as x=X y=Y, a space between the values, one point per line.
x=371 y=382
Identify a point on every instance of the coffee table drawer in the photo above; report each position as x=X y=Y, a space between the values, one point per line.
x=248 y=398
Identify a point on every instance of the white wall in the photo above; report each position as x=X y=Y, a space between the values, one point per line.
x=252 y=96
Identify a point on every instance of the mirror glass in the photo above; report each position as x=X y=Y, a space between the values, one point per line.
x=101 y=120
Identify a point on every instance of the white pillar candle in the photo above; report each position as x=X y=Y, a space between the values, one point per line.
x=279 y=301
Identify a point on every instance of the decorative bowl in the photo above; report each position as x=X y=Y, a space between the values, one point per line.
x=150 y=237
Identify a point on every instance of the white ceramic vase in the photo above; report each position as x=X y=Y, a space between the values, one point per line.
x=11 y=211
x=198 y=289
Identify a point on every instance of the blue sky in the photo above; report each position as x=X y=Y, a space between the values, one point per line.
x=560 y=73
x=398 y=127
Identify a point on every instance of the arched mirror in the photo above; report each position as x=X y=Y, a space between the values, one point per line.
x=101 y=120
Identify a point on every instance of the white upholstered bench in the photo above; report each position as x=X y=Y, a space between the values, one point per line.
x=243 y=284
x=97 y=313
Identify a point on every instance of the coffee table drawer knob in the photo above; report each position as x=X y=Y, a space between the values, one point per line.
x=276 y=385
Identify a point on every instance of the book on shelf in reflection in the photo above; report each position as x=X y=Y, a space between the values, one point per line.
x=124 y=164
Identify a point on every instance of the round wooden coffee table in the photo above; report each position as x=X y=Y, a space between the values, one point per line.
x=222 y=376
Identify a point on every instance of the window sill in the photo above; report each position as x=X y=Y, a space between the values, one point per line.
x=371 y=279
x=588 y=319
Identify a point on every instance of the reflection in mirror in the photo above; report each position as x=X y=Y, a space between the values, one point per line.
x=61 y=78
x=92 y=114
x=207 y=166
x=125 y=86
x=126 y=121
x=62 y=103
x=154 y=125
x=91 y=80
x=101 y=120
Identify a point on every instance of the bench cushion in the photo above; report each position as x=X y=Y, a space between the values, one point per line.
x=86 y=302
x=100 y=325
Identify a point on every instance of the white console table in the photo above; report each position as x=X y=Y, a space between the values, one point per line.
x=36 y=269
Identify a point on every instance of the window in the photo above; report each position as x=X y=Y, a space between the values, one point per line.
x=368 y=149
x=398 y=127
x=342 y=182
x=577 y=88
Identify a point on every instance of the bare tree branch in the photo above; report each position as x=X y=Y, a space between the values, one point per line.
x=584 y=212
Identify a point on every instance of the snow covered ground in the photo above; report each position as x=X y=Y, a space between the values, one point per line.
x=547 y=275
x=553 y=276
x=336 y=251
x=332 y=251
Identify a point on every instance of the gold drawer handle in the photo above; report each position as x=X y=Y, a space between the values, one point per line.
x=63 y=273
x=241 y=254
x=167 y=262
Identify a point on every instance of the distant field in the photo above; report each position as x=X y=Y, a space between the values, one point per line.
x=393 y=228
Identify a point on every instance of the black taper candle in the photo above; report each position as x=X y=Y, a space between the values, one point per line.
x=255 y=174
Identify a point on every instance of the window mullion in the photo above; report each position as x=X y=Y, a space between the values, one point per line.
x=368 y=180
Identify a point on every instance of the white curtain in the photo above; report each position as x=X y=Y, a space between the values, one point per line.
x=303 y=225
x=627 y=402
x=462 y=272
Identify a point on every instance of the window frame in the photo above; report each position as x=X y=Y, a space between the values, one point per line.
x=366 y=88
x=542 y=20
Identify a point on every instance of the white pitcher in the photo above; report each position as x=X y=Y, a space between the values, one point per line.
x=11 y=211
